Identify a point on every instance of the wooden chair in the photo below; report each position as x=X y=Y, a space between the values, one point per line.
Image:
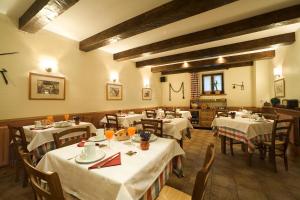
x=44 y=185
x=112 y=121
x=19 y=143
x=173 y=113
x=222 y=113
x=150 y=114
x=278 y=145
x=156 y=126
x=168 y=193
x=61 y=139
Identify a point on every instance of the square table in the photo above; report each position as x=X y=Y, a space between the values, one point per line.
x=126 y=120
x=176 y=127
x=131 y=180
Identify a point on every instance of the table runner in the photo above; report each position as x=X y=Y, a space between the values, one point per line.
x=130 y=180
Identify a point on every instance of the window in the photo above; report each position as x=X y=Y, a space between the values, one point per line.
x=213 y=83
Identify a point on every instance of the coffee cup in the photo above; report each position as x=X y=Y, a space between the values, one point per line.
x=89 y=150
x=38 y=124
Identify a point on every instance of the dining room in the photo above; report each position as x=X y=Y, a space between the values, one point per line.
x=152 y=99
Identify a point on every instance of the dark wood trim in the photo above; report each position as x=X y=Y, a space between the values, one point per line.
x=257 y=23
x=155 y=18
x=35 y=17
x=211 y=68
x=216 y=61
x=262 y=43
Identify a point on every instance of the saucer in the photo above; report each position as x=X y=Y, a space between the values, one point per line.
x=98 y=156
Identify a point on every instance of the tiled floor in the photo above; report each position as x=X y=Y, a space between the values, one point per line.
x=231 y=178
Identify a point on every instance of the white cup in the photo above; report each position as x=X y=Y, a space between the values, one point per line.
x=37 y=124
x=89 y=150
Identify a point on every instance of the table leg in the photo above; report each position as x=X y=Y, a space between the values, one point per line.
x=223 y=144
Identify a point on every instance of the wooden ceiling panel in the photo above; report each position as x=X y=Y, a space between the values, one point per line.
x=257 y=23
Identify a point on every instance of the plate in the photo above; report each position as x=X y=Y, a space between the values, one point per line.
x=137 y=138
x=97 y=138
x=99 y=155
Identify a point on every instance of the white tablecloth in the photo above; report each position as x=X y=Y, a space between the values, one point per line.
x=128 y=181
x=37 y=138
x=126 y=120
x=250 y=127
x=176 y=126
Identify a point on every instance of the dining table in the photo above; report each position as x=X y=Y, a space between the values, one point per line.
x=40 y=140
x=248 y=130
x=139 y=176
x=125 y=120
x=176 y=127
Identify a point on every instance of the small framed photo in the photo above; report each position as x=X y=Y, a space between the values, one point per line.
x=146 y=93
x=46 y=87
x=279 y=88
x=114 y=91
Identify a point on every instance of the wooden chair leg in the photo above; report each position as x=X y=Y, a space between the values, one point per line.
x=17 y=166
x=286 y=162
x=25 y=178
x=223 y=144
x=231 y=146
x=273 y=160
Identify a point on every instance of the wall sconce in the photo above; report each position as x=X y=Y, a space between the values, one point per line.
x=234 y=85
x=48 y=65
x=277 y=71
x=146 y=83
x=114 y=77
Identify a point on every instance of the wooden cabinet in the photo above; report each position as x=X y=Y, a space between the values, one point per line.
x=206 y=117
x=4 y=146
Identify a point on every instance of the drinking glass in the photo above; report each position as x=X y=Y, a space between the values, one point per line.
x=131 y=131
x=50 y=119
x=66 y=117
x=109 y=135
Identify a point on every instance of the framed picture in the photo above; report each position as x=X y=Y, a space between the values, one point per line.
x=146 y=93
x=279 y=88
x=114 y=91
x=46 y=87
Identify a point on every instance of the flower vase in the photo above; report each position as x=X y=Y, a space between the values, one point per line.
x=145 y=145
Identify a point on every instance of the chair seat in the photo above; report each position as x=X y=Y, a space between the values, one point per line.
x=277 y=142
x=168 y=193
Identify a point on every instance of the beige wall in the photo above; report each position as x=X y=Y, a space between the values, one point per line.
x=235 y=97
x=86 y=75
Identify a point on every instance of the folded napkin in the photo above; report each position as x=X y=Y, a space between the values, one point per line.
x=81 y=144
x=110 y=161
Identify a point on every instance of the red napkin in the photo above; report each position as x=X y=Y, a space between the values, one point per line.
x=81 y=144
x=113 y=162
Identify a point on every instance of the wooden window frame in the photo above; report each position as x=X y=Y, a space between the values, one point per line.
x=212 y=83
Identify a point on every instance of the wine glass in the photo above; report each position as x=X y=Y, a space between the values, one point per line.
x=109 y=135
x=50 y=119
x=131 y=131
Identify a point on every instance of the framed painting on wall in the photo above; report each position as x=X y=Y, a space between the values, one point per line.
x=114 y=91
x=146 y=93
x=279 y=88
x=46 y=87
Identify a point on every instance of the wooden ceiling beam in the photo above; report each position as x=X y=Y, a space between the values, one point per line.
x=250 y=25
x=155 y=18
x=41 y=12
x=217 y=61
x=211 y=68
x=263 y=43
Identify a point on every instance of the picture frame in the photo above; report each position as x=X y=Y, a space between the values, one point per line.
x=146 y=93
x=114 y=91
x=279 y=88
x=46 y=87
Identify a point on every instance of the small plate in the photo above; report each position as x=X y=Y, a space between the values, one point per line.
x=97 y=138
x=99 y=155
x=137 y=138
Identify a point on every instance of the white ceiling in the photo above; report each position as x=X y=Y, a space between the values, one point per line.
x=88 y=17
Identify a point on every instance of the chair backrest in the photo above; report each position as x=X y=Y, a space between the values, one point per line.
x=202 y=176
x=270 y=116
x=173 y=113
x=222 y=113
x=61 y=139
x=150 y=114
x=44 y=185
x=18 y=136
x=281 y=131
x=112 y=121
x=156 y=126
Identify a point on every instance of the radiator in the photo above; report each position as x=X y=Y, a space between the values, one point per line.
x=4 y=146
